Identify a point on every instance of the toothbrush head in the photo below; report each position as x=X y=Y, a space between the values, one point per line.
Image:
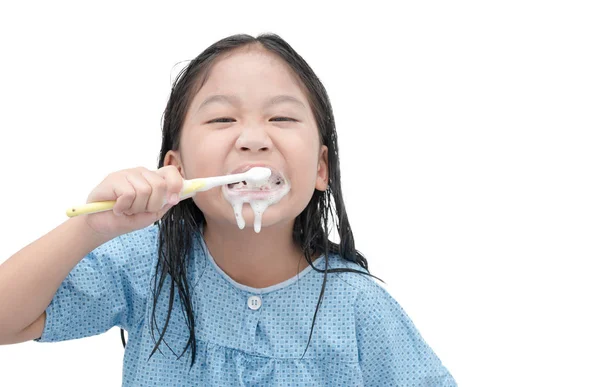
x=258 y=175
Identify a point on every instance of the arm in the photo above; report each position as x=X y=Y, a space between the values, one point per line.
x=34 y=331
x=55 y=268
x=30 y=278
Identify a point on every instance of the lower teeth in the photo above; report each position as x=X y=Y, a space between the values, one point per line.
x=246 y=188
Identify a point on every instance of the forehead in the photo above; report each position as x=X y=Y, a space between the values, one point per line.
x=251 y=73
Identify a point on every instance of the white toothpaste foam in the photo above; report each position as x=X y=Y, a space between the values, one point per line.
x=259 y=206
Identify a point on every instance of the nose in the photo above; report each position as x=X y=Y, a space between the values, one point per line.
x=254 y=139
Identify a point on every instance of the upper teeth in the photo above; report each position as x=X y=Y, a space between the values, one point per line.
x=274 y=180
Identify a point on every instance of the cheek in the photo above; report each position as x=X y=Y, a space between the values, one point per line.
x=302 y=163
x=305 y=178
x=204 y=158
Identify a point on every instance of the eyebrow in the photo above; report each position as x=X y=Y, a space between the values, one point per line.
x=235 y=100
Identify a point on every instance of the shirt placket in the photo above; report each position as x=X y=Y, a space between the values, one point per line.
x=252 y=311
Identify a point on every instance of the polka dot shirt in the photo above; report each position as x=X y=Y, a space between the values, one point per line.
x=244 y=336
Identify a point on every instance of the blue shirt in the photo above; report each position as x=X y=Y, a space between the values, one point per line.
x=245 y=336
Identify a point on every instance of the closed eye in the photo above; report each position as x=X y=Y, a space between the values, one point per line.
x=219 y=120
x=285 y=118
x=278 y=119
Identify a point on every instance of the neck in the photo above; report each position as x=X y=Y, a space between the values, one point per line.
x=257 y=260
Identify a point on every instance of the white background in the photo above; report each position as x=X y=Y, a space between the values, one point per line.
x=469 y=144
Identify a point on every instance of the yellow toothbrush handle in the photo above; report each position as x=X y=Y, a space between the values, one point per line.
x=190 y=187
x=90 y=208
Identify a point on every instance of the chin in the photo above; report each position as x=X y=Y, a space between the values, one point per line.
x=272 y=217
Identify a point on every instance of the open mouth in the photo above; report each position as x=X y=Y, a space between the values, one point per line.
x=275 y=181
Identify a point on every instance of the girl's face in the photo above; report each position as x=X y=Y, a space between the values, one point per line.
x=252 y=110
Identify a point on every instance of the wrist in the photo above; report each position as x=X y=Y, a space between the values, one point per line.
x=87 y=233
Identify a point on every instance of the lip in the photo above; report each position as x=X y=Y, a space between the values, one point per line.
x=274 y=171
x=245 y=167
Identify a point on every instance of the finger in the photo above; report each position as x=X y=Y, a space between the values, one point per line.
x=149 y=217
x=125 y=193
x=159 y=191
x=174 y=181
x=143 y=190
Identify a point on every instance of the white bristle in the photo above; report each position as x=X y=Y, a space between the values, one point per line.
x=258 y=175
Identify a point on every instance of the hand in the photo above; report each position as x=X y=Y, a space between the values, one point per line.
x=139 y=194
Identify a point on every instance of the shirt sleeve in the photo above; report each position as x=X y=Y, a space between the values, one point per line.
x=106 y=288
x=391 y=350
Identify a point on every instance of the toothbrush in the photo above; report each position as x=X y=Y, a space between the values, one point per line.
x=254 y=175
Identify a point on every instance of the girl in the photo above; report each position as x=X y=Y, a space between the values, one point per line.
x=226 y=293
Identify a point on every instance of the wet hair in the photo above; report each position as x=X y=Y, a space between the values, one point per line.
x=181 y=224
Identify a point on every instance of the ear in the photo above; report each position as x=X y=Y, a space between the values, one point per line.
x=323 y=169
x=174 y=158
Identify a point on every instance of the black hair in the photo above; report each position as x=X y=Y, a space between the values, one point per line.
x=179 y=226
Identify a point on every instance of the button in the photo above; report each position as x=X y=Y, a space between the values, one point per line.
x=254 y=302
